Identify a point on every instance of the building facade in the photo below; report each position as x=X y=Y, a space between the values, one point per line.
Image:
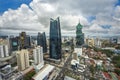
x=55 y=39
x=4 y=51
x=38 y=55
x=41 y=41
x=14 y=43
x=90 y=42
x=22 y=59
x=79 y=35
x=24 y=40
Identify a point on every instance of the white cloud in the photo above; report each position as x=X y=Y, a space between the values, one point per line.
x=37 y=16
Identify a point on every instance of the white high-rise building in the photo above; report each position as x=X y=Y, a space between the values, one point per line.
x=22 y=59
x=4 y=51
x=38 y=56
x=1 y=51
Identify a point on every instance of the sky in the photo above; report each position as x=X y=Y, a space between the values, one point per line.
x=98 y=17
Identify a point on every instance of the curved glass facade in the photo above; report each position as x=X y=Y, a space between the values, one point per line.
x=55 y=39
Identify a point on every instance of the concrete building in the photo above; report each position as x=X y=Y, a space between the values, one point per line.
x=69 y=78
x=90 y=42
x=22 y=59
x=78 y=51
x=6 y=72
x=74 y=64
x=75 y=56
x=44 y=73
x=38 y=57
x=118 y=40
x=1 y=51
x=4 y=51
x=24 y=41
x=97 y=42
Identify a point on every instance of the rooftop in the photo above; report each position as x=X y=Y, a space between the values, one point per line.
x=43 y=72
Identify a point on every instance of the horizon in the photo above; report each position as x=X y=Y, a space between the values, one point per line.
x=99 y=18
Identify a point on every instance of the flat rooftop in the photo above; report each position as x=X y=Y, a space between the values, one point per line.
x=68 y=78
x=43 y=72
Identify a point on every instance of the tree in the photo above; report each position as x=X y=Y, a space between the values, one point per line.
x=117 y=71
x=116 y=61
x=92 y=69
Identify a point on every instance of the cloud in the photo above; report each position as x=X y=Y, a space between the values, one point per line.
x=36 y=16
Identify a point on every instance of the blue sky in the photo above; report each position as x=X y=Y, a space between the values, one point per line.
x=118 y=3
x=13 y=4
x=101 y=16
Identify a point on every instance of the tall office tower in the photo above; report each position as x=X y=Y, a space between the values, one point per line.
x=14 y=44
x=41 y=41
x=4 y=51
x=38 y=55
x=1 y=51
x=24 y=41
x=44 y=43
x=28 y=41
x=79 y=35
x=55 y=39
x=22 y=59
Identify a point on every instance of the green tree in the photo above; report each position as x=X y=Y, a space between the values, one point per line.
x=92 y=69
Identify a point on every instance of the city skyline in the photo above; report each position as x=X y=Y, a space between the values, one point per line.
x=98 y=17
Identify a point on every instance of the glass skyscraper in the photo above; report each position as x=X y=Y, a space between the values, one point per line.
x=41 y=41
x=14 y=43
x=55 y=39
x=79 y=35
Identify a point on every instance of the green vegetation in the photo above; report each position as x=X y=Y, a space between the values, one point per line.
x=117 y=71
x=116 y=61
x=106 y=43
x=29 y=75
x=92 y=78
x=92 y=69
x=109 y=53
x=69 y=73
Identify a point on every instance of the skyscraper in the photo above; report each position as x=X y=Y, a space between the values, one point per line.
x=14 y=43
x=41 y=41
x=55 y=39
x=22 y=59
x=79 y=35
x=44 y=43
x=24 y=40
x=38 y=55
x=4 y=51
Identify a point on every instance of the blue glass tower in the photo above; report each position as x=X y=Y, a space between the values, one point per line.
x=41 y=40
x=55 y=39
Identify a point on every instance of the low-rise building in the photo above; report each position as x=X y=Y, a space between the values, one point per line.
x=44 y=73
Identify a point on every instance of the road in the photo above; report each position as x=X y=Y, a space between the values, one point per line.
x=60 y=76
